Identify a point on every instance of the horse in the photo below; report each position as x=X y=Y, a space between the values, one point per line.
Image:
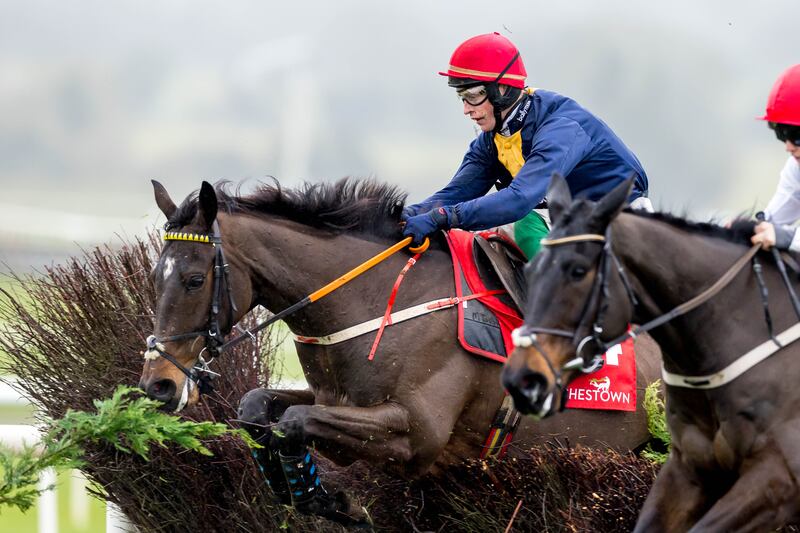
x=421 y=404
x=731 y=378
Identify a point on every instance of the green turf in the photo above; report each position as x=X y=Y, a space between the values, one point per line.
x=289 y=368
x=17 y=414
x=8 y=284
x=77 y=511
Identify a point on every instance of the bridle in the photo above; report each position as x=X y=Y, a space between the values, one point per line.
x=200 y=373
x=589 y=330
x=598 y=299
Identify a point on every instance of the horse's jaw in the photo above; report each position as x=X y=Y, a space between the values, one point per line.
x=546 y=408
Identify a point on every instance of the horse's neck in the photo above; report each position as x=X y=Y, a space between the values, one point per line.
x=287 y=261
x=668 y=267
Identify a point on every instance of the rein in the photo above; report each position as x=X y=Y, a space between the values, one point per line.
x=698 y=300
x=526 y=335
x=200 y=373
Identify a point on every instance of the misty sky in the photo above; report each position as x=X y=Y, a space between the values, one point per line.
x=97 y=98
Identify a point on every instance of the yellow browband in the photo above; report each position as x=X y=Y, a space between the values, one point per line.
x=181 y=236
x=574 y=238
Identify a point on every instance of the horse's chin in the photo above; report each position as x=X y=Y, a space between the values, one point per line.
x=182 y=401
x=535 y=407
x=546 y=407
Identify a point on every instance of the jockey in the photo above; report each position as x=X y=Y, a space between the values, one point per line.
x=526 y=136
x=783 y=117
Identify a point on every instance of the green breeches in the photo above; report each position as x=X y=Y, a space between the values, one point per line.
x=528 y=233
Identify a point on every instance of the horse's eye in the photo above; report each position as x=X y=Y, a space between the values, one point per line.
x=195 y=282
x=577 y=273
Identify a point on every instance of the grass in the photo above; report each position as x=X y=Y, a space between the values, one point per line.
x=77 y=511
x=10 y=285
x=658 y=450
x=288 y=367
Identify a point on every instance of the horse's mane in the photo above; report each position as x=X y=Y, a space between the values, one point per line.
x=349 y=204
x=374 y=208
x=740 y=231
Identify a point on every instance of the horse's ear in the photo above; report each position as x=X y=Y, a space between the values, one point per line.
x=163 y=201
x=610 y=205
x=207 y=204
x=558 y=197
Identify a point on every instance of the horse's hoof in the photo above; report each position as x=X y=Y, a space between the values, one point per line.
x=338 y=508
x=283 y=498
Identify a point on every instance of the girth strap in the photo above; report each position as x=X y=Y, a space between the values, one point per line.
x=735 y=369
x=394 y=318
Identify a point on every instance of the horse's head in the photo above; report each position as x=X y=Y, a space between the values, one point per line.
x=195 y=301
x=576 y=300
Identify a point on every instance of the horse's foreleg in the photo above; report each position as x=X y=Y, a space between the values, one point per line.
x=676 y=499
x=763 y=498
x=259 y=410
x=344 y=433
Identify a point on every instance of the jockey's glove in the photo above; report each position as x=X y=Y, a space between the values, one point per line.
x=420 y=226
x=410 y=211
x=784 y=235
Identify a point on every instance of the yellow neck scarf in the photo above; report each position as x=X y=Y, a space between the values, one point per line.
x=509 y=149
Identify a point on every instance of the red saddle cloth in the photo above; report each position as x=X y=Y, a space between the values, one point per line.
x=613 y=387
x=485 y=324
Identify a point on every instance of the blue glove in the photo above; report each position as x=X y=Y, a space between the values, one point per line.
x=420 y=226
x=410 y=211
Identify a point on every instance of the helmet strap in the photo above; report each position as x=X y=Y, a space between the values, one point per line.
x=502 y=101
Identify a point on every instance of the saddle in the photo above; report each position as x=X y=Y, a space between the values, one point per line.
x=487 y=314
x=500 y=264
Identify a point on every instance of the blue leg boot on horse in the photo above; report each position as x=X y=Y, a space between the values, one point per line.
x=287 y=464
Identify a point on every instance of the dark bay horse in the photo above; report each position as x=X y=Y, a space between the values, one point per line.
x=733 y=401
x=421 y=404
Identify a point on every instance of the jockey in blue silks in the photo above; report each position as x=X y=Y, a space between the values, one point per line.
x=526 y=136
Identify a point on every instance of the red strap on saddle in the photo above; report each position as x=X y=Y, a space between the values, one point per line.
x=387 y=316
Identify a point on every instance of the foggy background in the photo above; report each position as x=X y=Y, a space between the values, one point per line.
x=98 y=97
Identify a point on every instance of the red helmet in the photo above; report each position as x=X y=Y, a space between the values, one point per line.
x=484 y=58
x=783 y=105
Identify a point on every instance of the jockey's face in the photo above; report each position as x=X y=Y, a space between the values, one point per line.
x=482 y=114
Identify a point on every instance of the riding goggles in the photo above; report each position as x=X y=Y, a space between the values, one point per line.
x=473 y=96
x=786 y=132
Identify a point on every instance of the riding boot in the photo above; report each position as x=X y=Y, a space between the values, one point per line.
x=270 y=466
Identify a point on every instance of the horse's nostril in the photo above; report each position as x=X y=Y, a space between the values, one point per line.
x=533 y=382
x=162 y=390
